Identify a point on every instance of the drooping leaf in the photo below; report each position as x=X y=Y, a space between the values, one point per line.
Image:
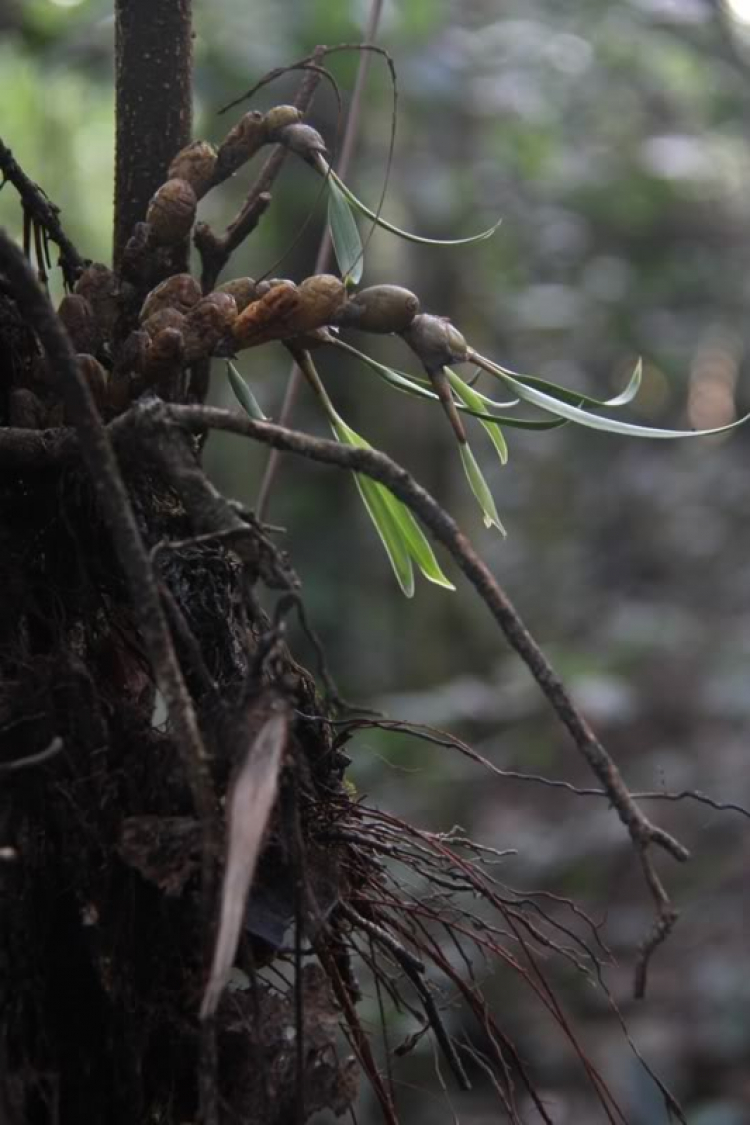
x=347 y=245
x=413 y=385
x=244 y=395
x=373 y=498
x=416 y=542
x=480 y=489
x=399 y=532
x=473 y=400
x=596 y=421
x=577 y=398
x=379 y=512
x=381 y=222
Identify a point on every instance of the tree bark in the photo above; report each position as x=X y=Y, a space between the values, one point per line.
x=153 y=76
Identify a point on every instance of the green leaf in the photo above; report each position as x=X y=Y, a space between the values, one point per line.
x=577 y=398
x=399 y=532
x=379 y=512
x=373 y=498
x=381 y=222
x=416 y=542
x=631 y=390
x=480 y=489
x=244 y=395
x=595 y=421
x=412 y=385
x=347 y=245
x=473 y=400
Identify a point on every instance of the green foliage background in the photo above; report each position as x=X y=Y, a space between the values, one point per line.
x=612 y=137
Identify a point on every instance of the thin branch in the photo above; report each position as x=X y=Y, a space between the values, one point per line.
x=43 y=212
x=359 y=1039
x=216 y=251
x=107 y=482
x=413 y=967
x=381 y=468
x=51 y=751
x=324 y=250
x=201 y=685
x=443 y=738
x=661 y=929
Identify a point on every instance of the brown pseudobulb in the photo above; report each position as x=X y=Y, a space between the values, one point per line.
x=195 y=163
x=171 y=212
x=381 y=308
x=181 y=292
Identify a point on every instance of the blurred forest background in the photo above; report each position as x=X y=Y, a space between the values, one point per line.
x=613 y=137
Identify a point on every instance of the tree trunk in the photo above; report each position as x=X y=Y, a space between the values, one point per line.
x=153 y=92
x=107 y=887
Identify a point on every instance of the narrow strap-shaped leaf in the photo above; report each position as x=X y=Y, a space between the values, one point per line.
x=378 y=510
x=347 y=245
x=416 y=542
x=387 y=528
x=412 y=385
x=469 y=396
x=370 y=491
x=400 y=533
x=480 y=489
x=381 y=222
x=576 y=398
x=243 y=394
x=596 y=421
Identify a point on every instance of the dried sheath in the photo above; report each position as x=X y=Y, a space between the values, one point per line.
x=249 y=807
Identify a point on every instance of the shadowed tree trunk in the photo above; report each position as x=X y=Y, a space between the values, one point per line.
x=153 y=92
x=108 y=821
x=173 y=815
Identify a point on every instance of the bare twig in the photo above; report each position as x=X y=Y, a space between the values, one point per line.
x=359 y=1039
x=43 y=212
x=661 y=928
x=198 y=678
x=414 y=968
x=51 y=751
x=324 y=249
x=444 y=738
x=215 y=251
x=381 y=468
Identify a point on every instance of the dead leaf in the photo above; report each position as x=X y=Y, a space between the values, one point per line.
x=249 y=806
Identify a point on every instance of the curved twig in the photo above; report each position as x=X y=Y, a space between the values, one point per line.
x=216 y=251
x=381 y=468
x=37 y=204
x=324 y=247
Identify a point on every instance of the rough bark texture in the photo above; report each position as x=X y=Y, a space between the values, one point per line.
x=139 y=677
x=102 y=927
x=128 y=581
x=154 y=116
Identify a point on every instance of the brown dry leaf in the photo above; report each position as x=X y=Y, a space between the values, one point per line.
x=249 y=806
